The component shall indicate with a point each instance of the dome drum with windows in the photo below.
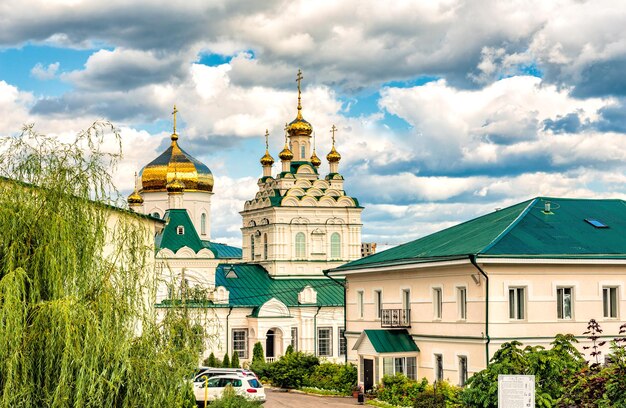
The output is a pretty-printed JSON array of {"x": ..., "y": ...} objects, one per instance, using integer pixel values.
[{"x": 176, "y": 164}]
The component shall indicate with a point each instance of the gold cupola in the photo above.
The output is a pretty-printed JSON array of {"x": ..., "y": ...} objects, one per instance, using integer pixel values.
[
  {"x": 333, "y": 156},
  {"x": 286, "y": 154},
  {"x": 299, "y": 126},
  {"x": 176, "y": 164},
  {"x": 175, "y": 186},
  {"x": 135, "y": 198},
  {"x": 315, "y": 161},
  {"x": 267, "y": 159}
]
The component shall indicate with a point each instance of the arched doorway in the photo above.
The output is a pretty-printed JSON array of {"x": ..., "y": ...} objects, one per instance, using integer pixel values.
[{"x": 273, "y": 344}]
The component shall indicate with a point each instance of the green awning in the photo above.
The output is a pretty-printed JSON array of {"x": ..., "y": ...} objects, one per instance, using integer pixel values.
[{"x": 389, "y": 341}]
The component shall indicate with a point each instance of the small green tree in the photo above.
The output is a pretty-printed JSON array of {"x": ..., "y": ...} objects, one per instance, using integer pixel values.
[
  {"x": 234, "y": 362},
  {"x": 210, "y": 361},
  {"x": 258, "y": 364},
  {"x": 226, "y": 361}
]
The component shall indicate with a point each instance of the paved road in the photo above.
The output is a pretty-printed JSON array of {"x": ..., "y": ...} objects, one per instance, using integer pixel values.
[{"x": 278, "y": 399}]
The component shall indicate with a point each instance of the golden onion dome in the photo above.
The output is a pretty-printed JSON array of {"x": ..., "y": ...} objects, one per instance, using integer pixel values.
[
  {"x": 286, "y": 154},
  {"x": 175, "y": 186},
  {"x": 299, "y": 126},
  {"x": 315, "y": 160},
  {"x": 333, "y": 156},
  {"x": 267, "y": 159},
  {"x": 175, "y": 163},
  {"x": 135, "y": 198}
]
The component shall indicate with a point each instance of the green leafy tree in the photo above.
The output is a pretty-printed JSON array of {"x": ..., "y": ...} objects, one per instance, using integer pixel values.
[
  {"x": 292, "y": 370},
  {"x": 331, "y": 376},
  {"x": 211, "y": 361},
  {"x": 226, "y": 361},
  {"x": 234, "y": 362},
  {"x": 258, "y": 364},
  {"x": 77, "y": 325}
]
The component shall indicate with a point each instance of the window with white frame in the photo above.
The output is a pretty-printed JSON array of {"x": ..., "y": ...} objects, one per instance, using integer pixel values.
[
  {"x": 359, "y": 303},
  {"x": 180, "y": 230},
  {"x": 517, "y": 299},
  {"x": 342, "y": 341},
  {"x": 462, "y": 370},
  {"x": 438, "y": 367},
  {"x": 325, "y": 341},
  {"x": 564, "y": 303},
  {"x": 300, "y": 245},
  {"x": 609, "y": 302},
  {"x": 240, "y": 342},
  {"x": 406, "y": 299},
  {"x": 302, "y": 152},
  {"x": 335, "y": 246},
  {"x": 378, "y": 298},
  {"x": 437, "y": 303},
  {"x": 400, "y": 365},
  {"x": 294, "y": 338},
  {"x": 203, "y": 224},
  {"x": 462, "y": 302}
]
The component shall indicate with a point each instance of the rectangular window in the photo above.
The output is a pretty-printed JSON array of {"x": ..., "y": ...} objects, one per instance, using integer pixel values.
[
  {"x": 406, "y": 299},
  {"x": 564, "y": 303},
  {"x": 462, "y": 301},
  {"x": 359, "y": 301},
  {"x": 462, "y": 370},
  {"x": 437, "y": 303},
  {"x": 388, "y": 366},
  {"x": 438, "y": 367},
  {"x": 342, "y": 341},
  {"x": 411, "y": 368},
  {"x": 609, "y": 302},
  {"x": 516, "y": 303},
  {"x": 399, "y": 365},
  {"x": 325, "y": 341},
  {"x": 294, "y": 338},
  {"x": 240, "y": 342},
  {"x": 378, "y": 295}
]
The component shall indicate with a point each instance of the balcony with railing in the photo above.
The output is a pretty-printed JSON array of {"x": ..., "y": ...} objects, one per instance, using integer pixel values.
[{"x": 395, "y": 318}]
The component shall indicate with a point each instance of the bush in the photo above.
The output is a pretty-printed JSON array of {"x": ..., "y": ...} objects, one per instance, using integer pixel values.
[
  {"x": 226, "y": 361},
  {"x": 234, "y": 362},
  {"x": 330, "y": 376},
  {"x": 399, "y": 390},
  {"x": 258, "y": 364},
  {"x": 231, "y": 400},
  {"x": 211, "y": 361},
  {"x": 291, "y": 370}
]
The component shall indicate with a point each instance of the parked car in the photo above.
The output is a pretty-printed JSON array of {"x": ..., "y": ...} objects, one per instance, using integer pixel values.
[
  {"x": 215, "y": 371},
  {"x": 213, "y": 388}
]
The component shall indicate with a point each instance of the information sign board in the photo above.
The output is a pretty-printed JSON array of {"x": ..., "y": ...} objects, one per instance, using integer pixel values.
[{"x": 516, "y": 391}]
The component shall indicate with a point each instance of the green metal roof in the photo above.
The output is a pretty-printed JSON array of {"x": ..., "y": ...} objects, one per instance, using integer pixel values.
[
  {"x": 523, "y": 230},
  {"x": 253, "y": 286},
  {"x": 170, "y": 238},
  {"x": 391, "y": 341}
]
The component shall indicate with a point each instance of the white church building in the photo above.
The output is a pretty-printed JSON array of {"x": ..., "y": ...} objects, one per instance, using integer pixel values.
[{"x": 273, "y": 290}]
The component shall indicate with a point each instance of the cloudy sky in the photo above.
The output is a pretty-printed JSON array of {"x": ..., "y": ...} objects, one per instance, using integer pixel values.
[{"x": 446, "y": 109}]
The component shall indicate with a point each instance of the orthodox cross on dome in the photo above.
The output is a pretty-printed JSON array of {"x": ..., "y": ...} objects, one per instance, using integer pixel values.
[
  {"x": 333, "y": 130},
  {"x": 174, "y": 135},
  {"x": 267, "y": 136},
  {"x": 299, "y": 79}
]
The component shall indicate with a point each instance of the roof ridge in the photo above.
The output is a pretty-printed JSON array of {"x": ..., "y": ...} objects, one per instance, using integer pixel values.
[{"x": 511, "y": 225}]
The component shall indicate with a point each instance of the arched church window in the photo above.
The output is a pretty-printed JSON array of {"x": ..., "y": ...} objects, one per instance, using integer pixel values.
[
  {"x": 335, "y": 246},
  {"x": 203, "y": 224},
  {"x": 302, "y": 152},
  {"x": 300, "y": 245},
  {"x": 252, "y": 247},
  {"x": 156, "y": 215},
  {"x": 265, "y": 246}
]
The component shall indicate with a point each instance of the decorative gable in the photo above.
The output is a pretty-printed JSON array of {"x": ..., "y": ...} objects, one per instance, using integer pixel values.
[
  {"x": 274, "y": 308},
  {"x": 308, "y": 295}
]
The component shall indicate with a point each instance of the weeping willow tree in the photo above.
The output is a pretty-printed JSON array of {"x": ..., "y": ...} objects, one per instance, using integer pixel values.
[{"x": 77, "y": 326}]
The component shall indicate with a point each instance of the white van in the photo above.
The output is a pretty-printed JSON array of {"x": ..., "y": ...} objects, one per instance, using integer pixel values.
[{"x": 209, "y": 372}]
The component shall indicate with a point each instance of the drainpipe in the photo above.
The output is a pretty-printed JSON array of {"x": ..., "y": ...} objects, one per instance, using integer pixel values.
[
  {"x": 315, "y": 330},
  {"x": 230, "y": 310},
  {"x": 473, "y": 261},
  {"x": 345, "y": 317}
]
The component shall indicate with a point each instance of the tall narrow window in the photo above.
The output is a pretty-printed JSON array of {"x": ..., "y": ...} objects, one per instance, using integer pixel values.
[
  {"x": 264, "y": 246},
  {"x": 437, "y": 303},
  {"x": 360, "y": 305},
  {"x": 342, "y": 341},
  {"x": 564, "y": 303},
  {"x": 335, "y": 246},
  {"x": 411, "y": 368},
  {"x": 406, "y": 299},
  {"x": 609, "y": 302},
  {"x": 203, "y": 224},
  {"x": 325, "y": 341},
  {"x": 438, "y": 367},
  {"x": 302, "y": 153},
  {"x": 378, "y": 296},
  {"x": 252, "y": 247},
  {"x": 240, "y": 342},
  {"x": 294, "y": 338},
  {"x": 462, "y": 370},
  {"x": 462, "y": 302},
  {"x": 300, "y": 245},
  {"x": 516, "y": 303}
]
